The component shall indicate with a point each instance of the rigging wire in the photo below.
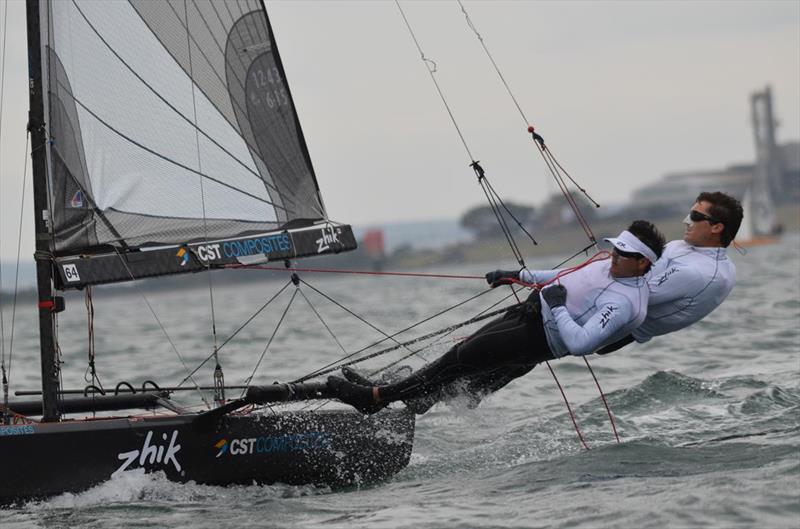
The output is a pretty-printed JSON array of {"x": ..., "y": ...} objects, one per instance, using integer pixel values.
[
  {"x": 496, "y": 68},
  {"x": 482, "y": 315},
  {"x": 552, "y": 166},
  {"x": 333, "y": 366},
  {"x": 352, "y": 313},
  {"x": 249, "y": 379},
  {"x": 508, "y": 211},
  {"x": 556, "y": 170},
  {"x": 584, "y": 250},
  {"x": 498, "y": 215},
  {"x": 218, "y": 368},
  {"x": 357, "y": 272},
  {"x": 59, "y": 358},
  {"x": 2, "y": 319},
  {"x": 492, "y": 197},
  {"x": 161, "y": 325},
  {"x": 338, "y": 364},
  {"x": 431, "y": 66},
  {"x": 229, "y": 338},
  {"x": 399, "y": 345},
  {"x": 324, "y": 323},
  {"x": 550, "y": 161},
  {"x": 333, "y": 336},
  {"x": 442, "y": 334},
  {"x": 19, "y": 248}
]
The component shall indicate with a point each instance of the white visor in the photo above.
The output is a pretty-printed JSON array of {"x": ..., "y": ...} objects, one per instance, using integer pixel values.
[{"x": 627, "y": 242}]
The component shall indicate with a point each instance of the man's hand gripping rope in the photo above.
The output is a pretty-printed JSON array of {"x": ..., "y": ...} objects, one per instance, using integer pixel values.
[{"x": 497, "y": 278}]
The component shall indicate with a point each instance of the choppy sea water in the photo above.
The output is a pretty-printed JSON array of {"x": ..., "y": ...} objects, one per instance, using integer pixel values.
[{"x": 709, "y": 418}]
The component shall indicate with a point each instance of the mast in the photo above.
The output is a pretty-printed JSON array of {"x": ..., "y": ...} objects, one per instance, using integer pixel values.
[{"x": 44, "y": 280}]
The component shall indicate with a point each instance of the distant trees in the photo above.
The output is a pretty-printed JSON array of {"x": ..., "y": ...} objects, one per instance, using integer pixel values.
[
  {"x": 556, "y": 211},
  {"x": 482, "y": 223}
]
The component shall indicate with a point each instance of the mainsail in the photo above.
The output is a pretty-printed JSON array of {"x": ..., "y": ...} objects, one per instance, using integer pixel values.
[{"x": 171, "y": 124}]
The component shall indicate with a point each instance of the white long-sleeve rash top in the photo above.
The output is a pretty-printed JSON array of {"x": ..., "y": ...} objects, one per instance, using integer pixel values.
[
  {"x": 600, "y": 309},
  {"x": 686, "y": 284}
]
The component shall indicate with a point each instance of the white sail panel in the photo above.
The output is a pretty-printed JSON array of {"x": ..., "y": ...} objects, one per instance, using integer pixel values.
[{"x": 137, "y": 127}]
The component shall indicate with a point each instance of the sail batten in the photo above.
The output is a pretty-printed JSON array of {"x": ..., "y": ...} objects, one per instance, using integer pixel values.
[{"x": 147, "y": 149}]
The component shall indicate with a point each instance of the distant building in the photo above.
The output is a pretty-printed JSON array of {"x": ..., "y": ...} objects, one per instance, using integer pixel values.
[
  {"x": 678, "y": 189},
  {"x": 788, "y": 188},
  {"x": 773, "y": 178}
]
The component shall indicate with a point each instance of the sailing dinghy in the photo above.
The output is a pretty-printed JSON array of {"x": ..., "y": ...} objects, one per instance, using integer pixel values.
[{"x": 165, "y": 141}]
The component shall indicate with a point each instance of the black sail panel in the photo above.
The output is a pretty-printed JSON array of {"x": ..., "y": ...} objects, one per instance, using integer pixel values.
[
  {"x": 170, "y": 123},
  {"x": 265, "y": 111},
  {"x": 72, "y": 214}
]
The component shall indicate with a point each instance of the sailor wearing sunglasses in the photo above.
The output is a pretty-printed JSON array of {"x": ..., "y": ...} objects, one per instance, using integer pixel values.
[
  {"x": 591, "y": 307},
  {"x": 695, "y": 275},
  {"x": 606, "y": 301}
]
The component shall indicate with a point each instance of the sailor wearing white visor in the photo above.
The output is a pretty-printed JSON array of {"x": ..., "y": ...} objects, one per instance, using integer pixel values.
[
  {"x": 593, "y": 306},
  {"x": 602, "y": 302}
]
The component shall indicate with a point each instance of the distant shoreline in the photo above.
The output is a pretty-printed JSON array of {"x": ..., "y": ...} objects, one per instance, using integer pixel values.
[{"x": 556, "y": 243}]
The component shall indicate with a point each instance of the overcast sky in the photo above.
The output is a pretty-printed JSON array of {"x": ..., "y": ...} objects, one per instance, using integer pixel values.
[{"x": 623, "y": 92}]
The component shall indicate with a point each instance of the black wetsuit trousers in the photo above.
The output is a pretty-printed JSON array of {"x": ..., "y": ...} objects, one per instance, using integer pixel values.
[{"x": 500, "y": 351}]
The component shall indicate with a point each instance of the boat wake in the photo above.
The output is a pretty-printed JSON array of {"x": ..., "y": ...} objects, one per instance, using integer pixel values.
[{"x": 153, "y": 489}]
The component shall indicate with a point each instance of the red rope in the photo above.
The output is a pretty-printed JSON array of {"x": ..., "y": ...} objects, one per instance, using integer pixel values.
[
  {"x": 599, "y": 256},
  {"x": 605, "y": 402},
  {"x": 360, "y": 272},
  {"x": 596, "y": 257},
  {"x": 569, "y": 408},
  {"x": 538, "y": 286}
]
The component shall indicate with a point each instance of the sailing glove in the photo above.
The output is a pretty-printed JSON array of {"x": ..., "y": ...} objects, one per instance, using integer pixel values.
[
  {"x": 555, "y": 295},
  {"x": 501, "y": 277}
]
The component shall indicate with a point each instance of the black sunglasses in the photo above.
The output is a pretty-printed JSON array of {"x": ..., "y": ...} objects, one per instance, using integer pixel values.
[
  {"x": 628, "y": 255},
  {"x": 699, "y": 216}
]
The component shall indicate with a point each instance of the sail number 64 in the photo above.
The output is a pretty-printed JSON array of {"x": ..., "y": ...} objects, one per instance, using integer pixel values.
[{"x": 71, "y": 273}]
